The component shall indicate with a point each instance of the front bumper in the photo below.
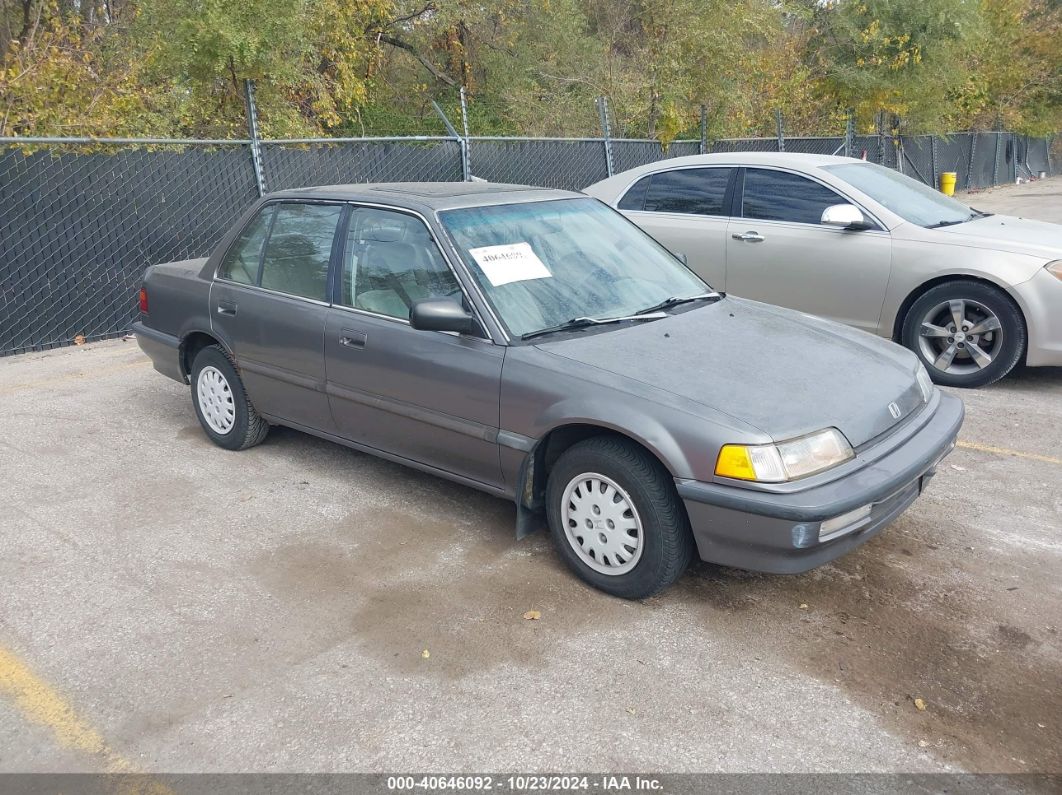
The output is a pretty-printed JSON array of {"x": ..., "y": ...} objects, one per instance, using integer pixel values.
[
  {"x": 1040, "y": 299},
  {"x": 779, "y": 532}
]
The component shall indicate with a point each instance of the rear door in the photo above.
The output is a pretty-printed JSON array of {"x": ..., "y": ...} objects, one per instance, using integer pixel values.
[
  {"x": 779, "y": 252},
  {"x": 427, "y": 396},
  {"x": 270, "y": 302},
  {"x": 684, "y": 208}
]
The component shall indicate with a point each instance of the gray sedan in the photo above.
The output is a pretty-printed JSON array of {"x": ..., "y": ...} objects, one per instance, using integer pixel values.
[
  {"x": 971, "y": 293},
  {"x": 536, "y": 345}
]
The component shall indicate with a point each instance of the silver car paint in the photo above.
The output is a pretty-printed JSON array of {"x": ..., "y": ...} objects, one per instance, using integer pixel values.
[{"x": 823, "y": 271}]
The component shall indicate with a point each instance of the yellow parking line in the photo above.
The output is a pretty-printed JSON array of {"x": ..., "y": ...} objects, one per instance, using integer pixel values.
[
  {"x": 40, "y": 703},
  {"x": 81, "y": 375},
  {"x": 986, "y": 448}
]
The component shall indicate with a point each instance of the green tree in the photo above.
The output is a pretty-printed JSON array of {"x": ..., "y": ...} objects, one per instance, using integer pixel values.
[{"x": 906, "y": 57}]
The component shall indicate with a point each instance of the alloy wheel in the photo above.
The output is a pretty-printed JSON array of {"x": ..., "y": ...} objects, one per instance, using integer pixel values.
[{"x": 960, "y": 336}]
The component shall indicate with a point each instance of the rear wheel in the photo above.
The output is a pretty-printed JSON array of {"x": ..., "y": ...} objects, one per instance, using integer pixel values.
[
  {"x": 967, "y": 334},
  {"x": 616, "y": 519},
  {"x": 221, "y": 404}
]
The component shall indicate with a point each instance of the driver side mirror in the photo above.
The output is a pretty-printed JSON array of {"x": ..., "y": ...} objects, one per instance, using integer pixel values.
[
  {"x": 442, "y": 314},
  {"x": 845, "y": 216}
]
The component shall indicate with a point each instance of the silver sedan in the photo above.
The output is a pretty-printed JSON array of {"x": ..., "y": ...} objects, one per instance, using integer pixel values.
[{"x": 971, "y": 293}]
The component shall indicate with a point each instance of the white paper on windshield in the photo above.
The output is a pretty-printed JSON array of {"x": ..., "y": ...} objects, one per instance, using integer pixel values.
[{"x": 513, "y": 262}]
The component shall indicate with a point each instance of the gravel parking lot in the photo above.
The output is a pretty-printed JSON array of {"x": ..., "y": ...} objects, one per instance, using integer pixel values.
[{"x": 170, "y": 606}]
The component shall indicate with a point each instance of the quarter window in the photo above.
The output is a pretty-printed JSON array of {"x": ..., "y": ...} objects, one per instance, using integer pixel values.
[
  {"x": 390, "y": 261},
  {"x": 241, "y": 262},
  {"x": 695, "y": 191},
  {"x": 634, "y": 199},
  {"x": 780, "y": 196},
  {"x": 299, "y": 248}
]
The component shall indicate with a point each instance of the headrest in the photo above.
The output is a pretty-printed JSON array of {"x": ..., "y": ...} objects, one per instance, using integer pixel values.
[{"x": 291, "y": 245}]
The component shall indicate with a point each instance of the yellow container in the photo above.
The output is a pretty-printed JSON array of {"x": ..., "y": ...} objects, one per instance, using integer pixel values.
[{"x": 947, "y": 183}]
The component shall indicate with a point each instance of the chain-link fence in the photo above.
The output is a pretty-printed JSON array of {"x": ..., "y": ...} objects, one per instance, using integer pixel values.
[{"x": 81, "y": 219}]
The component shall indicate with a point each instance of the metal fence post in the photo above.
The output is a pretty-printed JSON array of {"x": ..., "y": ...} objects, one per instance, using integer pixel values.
[
  {"x": 252, "y": 129},
  {"x": 704, "y": 129},
  {"x": 969, "y": 164},
  {"x": 781, "y": 129},
  {"x": 995, "y": 160},
  {"x": 933, "y": 139},
  {"x": 466, "y": 154},
  {"x": 462, "y": 143},
  {"x": 606, "y": 131},
  {"x": 849, "y": 133}
]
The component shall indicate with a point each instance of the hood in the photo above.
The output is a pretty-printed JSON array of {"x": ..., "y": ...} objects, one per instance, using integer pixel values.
[
  {"x": 781, "y": 371},
  {"x": 1005, "y": 233}
]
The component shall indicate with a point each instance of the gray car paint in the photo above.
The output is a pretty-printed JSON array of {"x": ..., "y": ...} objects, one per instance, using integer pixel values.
[{"x": 482, "y": 410}]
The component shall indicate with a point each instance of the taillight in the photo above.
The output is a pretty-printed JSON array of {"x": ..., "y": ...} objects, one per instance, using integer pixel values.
[{"x": 143, "y": 301}]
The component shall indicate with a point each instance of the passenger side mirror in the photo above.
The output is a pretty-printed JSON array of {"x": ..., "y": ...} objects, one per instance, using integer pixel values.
[
  {"x": 845, "y": 216},
  {"x": 442, "y": 314}
]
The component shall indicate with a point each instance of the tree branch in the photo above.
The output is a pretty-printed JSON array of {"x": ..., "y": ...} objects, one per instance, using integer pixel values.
[{"x": 404, "y": 45}]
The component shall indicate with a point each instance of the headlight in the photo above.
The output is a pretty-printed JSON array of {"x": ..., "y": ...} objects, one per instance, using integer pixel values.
[
  {"x": 1054, "y": 268},
  {"x": 924, "y": 382},
  {"x": 775, "y": 463}
]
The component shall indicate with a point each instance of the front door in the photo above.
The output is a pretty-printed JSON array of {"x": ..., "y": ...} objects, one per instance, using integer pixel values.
[
  {"x": 270, "y": 303},
  {"x": 427, "y": 396},
  {"x": 779, "y": 252}
]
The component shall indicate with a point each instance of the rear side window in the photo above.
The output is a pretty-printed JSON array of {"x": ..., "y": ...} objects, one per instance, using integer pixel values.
[
  {"x": 780, "y": 196},
  {"x": 635, "y": 197},
  {"x": 695, "y": 191},
  {"x": 299, "y": 248},
  {"x": 241, "y": 262}
]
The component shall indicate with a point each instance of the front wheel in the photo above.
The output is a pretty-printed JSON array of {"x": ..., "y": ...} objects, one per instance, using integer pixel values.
[
  {"x": 616, "y": 519},
  {"x": 967, "y": 334}
]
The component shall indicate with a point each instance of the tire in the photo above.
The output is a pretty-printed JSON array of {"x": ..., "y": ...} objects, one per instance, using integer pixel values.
[
  {"x": 929, "y": 329},
  {"x": 225, "y": 411},
  {"x": 618, "y": 468}
]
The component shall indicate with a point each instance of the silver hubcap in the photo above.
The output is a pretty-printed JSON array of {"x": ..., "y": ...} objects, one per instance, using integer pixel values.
[
  {"x": 960, "y": 336},
  {"x": 601, "y": 524},
  {"x": 215, "y": 400}
]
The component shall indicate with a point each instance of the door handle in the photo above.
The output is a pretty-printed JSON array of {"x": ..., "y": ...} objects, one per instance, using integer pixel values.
[
  {"x": 749, "y": 237},
  {"x": 352, "y": 339},
  {"x": 227, "y": 308}
]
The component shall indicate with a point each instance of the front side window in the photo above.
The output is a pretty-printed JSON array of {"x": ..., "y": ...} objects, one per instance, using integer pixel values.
[
  {"x": 908, "y": 198},
  {"x": 390, "y": 261},
  {"x": 694, "y": 191},
  {"x": 544, "y": 263},
  {"x": 242, "y": 260},
  {"x": 780, "y": 196},
  {"x": 299, "y": 248}
]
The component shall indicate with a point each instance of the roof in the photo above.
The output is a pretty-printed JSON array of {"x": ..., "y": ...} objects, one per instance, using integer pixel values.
[
  {"x": 431, "y": 195},
  {"x": 798, "y": 159}
]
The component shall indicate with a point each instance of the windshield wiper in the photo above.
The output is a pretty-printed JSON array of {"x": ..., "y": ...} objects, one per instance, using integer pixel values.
[
  {"x": 584, "y": 322},
  {"x": 675, "y": 301},
  {"x": 939, "y": 224}
]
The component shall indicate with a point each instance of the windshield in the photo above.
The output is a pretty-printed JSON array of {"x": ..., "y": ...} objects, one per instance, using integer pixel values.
[
  {"x": 542, "y": 264},
  {"x": 908, "y": 198}
]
